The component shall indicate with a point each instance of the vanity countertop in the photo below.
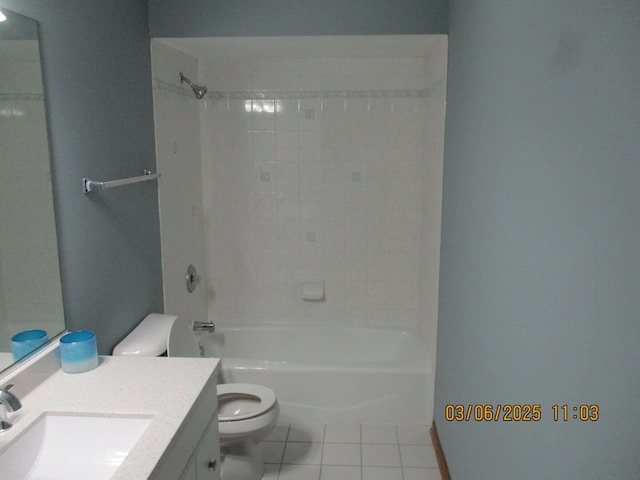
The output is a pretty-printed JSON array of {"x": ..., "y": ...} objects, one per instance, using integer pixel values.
[
  {"x": 160, "y": 387},
  {"x": 6, "y": 359}
]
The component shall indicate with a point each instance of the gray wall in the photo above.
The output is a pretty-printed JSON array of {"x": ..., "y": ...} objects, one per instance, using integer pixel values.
[
  {"x": 540, "y": 266},
  {"x": 219, "y": 18},
  {"x": 97, "y": 72}
]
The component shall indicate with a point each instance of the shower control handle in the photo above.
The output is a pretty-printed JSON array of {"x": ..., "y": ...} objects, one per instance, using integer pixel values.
[{"x": 192, "y": 278}]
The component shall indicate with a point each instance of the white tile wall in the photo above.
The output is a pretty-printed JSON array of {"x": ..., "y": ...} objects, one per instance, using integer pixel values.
[
  {"x": 436, "y": 66},
  {"x": 332, "y": 187},
  {"x": 178, "y": 151}
]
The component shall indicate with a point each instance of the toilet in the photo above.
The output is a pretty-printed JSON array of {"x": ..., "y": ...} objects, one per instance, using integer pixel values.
[
  {"x": 246, "y": 415},
  {"x": 246, "y": 412}
]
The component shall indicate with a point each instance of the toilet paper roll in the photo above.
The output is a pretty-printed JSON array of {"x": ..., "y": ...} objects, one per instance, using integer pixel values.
[{"x": 313, "y": 290}]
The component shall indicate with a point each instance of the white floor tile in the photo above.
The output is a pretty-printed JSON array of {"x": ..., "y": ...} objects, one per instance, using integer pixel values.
[
  {"x": 299, "y": 472},
  {"x": 414, "y": 435},
  {"x": 272, "y": 452},
  {"x": 301, "y": 453},
  {"x": 341, "y": 454},
  {"x": 381, "y": 473},
  {"x": 271, "y": 472},
  {"x": 380, "y": 455},
  {"x": 379, "y": 434},
  {"x": 342, "y": 434},
  {"x": 421, "y": 474},
  {"x": 340, "y": 473},
  {"x": 418, "y": 456},
  {"x": 306, "y": 432},
  {"x": 349, "y": 452},
  {"x": 278, "y": 434}
]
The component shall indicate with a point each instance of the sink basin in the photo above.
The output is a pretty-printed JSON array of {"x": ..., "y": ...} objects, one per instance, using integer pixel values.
[{"x": 70, "y": 447}]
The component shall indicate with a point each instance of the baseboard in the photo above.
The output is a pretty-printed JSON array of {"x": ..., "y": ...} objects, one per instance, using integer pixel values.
[{"x": 442, "y": 462}]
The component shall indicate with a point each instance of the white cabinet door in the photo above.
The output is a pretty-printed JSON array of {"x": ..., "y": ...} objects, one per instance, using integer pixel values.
[
  {"x": 207, "y": 457},
  {"x": 190, "y": 472}
]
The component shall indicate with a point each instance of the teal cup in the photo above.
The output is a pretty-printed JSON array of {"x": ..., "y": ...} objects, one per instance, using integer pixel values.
[
  {"x": 78, "y": 352},
  {"x": 23, "y": 343}
]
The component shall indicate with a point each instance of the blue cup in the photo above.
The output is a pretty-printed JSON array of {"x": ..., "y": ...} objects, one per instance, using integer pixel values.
[
  {"x": 23, "y": 343},
  {"x": 78, "y": 352}
]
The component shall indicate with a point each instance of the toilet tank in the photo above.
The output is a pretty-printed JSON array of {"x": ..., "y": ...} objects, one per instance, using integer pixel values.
[{"x": 149, "y": 338}]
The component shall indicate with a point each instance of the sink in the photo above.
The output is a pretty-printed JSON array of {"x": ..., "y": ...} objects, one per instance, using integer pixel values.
[{"x": 70, "y": 447}]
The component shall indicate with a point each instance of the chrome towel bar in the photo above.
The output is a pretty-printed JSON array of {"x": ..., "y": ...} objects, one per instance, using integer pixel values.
[{"x": 90, "y": 185}]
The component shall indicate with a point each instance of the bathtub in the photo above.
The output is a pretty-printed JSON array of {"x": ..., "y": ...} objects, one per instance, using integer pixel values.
[{"x": 330, "y": 374}]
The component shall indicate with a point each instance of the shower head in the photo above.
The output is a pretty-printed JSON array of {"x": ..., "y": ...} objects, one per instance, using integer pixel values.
[{"x": 198, "y": 90}]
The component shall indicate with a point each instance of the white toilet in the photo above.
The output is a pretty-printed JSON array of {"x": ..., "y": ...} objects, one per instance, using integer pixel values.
[{"x": 246, "y": 412}]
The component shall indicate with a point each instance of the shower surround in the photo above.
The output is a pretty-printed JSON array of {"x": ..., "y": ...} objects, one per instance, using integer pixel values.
[
  {"x": 322, "y": 168},
  {"x": 321, "y": 160}
]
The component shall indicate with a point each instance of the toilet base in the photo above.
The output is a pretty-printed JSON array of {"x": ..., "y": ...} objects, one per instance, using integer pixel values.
[{"x": 241, "y": 461}]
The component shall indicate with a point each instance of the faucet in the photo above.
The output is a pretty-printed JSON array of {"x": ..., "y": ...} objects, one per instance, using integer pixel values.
[
  {"x": 8, "y": 402},
  {"x": 199, "y": 326}
]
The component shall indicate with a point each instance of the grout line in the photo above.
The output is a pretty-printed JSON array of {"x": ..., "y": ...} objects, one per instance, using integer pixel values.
[
  {"x": 286, "y": 441},
  {"x": 324, "y": 435},
  {"x": 400, "y": 453},
  {"x": 361, "y": 454}
]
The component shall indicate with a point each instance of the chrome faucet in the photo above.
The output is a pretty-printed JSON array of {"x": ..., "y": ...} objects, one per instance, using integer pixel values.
[
  {"x": 199, "y": 326},
  {"x": 8, "y": 403}
]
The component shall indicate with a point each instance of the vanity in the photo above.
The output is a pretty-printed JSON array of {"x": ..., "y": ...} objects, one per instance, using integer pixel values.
[{"x": 163, "y": 409}]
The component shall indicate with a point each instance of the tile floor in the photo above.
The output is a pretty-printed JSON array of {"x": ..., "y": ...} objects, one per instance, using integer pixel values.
[{"x": 349, "y": 452}]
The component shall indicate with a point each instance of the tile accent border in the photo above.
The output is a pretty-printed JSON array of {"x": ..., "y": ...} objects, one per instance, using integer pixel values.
[
  {"x": 313, "y": 94},
  {"x": 442, "y": 462},
  {"x": 21, "y": 97},
  {"x": 299, "y": 94},
  {"x": 169, "y": 87}
]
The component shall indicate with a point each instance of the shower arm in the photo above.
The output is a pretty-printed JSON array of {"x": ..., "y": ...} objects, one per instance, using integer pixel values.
[
  {"x": 186, "y": 80},
  {"x": 198, "y": 90}
]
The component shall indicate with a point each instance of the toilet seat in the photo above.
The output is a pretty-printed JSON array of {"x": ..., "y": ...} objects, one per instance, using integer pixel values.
[{"x": 252, "y": 401}]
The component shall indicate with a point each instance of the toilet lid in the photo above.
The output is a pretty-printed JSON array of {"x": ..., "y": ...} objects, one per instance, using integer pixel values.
[
  {"x": 182, "y": 342},
  {"x": 240, "y": 401}
]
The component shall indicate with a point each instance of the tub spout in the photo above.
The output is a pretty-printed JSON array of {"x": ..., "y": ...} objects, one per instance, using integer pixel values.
[{"x": 203, "y": 326}]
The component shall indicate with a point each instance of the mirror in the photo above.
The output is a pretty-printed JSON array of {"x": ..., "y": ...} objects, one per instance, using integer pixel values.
[{"x": 30, "y": 287}]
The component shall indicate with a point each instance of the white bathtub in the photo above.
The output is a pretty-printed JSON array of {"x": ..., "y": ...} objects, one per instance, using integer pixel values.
[{"x": 329, "y": 374}]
